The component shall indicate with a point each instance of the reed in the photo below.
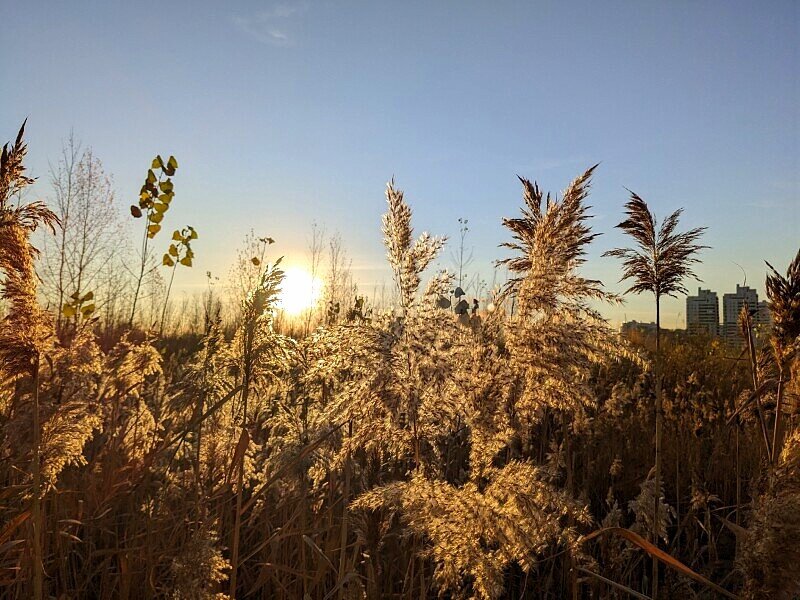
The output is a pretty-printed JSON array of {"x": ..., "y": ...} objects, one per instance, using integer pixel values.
[
  {"x": 659, "y": 263},
  {"x": 401, "y": 453}
]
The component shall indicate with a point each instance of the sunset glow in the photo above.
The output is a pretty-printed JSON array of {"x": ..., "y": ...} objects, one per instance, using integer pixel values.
[
  {"x": 299, "y": 290},
  {"x": 356, "y": 299}
]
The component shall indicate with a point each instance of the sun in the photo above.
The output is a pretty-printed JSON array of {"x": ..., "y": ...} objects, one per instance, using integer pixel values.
[{"x": 299, "y": 291}]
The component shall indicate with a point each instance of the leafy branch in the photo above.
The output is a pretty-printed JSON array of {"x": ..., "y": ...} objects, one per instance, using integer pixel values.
[
  {"x": 154, "y": 200},
  {"x": 181, "y": 253}
]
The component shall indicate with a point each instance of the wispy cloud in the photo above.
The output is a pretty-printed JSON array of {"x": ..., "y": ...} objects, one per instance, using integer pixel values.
[{"x": 272, "y": 26}]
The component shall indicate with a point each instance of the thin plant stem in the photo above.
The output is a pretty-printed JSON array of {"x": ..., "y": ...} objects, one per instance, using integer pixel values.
[
  {"x": 659, "y": 425},
  {"x": 166, "y": 298},
  {"x": 38, "y": 567},
  {"x": 141, "y": 274},
  {"x": 777, "y": 432}
]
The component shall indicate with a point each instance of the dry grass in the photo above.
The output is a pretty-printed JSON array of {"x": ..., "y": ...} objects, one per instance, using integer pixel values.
[{"x": 391, "y": 455}]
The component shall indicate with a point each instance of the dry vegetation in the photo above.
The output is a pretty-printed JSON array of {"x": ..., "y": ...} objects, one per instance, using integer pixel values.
[{"x": 374, "y": 454}]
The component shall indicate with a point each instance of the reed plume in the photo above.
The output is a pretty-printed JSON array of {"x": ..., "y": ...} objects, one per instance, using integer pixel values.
[
  {"x": 768, "y": 553},
  {"x": 784, "y": 303},
  {"x": 388, "y": 453},
  {"x": 25, "y": 330},
  {"x": 658, "y": 264}
]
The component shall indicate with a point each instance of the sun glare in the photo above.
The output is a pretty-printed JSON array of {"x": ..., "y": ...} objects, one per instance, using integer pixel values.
[{"x": 299, "y": 290}]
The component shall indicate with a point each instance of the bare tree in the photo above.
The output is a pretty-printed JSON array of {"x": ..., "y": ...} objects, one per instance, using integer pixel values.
[
  {"x": 212, "y": 305},
  {"x": 339, "y": 286},
  {"x": 86, "y": 252},
  {"x": 246, "y": 271},
  {"x": 315, "y": 251}
]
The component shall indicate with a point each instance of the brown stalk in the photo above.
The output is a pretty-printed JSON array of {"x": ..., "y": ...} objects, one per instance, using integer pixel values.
[
  {"x": 659, "y": 555},
  {"x": 658, "y": 263}
]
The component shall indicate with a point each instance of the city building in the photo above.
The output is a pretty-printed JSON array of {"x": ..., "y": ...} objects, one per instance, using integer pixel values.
[
  {"x": 731, "y": 307},
  {"x": 632, "y": 326},
  {"x": 763, "y": 317},
  {"x": 702, "y": 313}
]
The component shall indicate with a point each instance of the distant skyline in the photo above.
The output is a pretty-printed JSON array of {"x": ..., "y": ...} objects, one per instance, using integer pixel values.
[{"x": 281, "y": 114}]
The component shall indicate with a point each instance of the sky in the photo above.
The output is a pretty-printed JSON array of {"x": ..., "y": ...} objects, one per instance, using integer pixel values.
[{"x": 285, "y": 114}]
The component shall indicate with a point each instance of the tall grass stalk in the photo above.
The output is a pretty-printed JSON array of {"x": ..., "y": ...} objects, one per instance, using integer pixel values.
[
  {"x": 403, "y": 455},
  {"x": 25, "y": 331},
  {"x": 658, "y": 264},
  {"x": 38, "y": 523},
  {"x": 784, "y": 302}
]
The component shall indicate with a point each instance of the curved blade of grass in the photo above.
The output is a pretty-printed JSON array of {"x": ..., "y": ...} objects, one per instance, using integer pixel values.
[
  {"x": 614, "y": 584},
  {"x": 662, "y": 556},
  {"x": 238, "y": 455},
  {"x": 12, "y": 525}
]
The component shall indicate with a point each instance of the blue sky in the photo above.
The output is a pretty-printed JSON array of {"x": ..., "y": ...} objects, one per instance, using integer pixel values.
[{"x": 285, "y": 113}]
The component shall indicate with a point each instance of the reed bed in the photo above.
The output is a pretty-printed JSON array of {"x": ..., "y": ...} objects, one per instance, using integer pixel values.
[{"x": 395, "y": 454}]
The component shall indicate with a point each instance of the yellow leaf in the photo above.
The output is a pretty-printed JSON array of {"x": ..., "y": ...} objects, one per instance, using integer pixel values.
[
  {"x": 68, "y": 311},
  {"x": 156, "y": 217},
  {"x": 167, "y": 261},
  {"x": 152, "y": 230},
  {"x": 176, "y": 235},
  {"x": 172, "y": 163},
  {"x": 186, "y": 261},
  {"x": 87, "y": 310},
  {"x": 173, "y": 250}
]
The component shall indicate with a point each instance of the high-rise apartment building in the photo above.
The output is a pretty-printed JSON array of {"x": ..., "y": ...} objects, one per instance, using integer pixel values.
[
  {"x": 731, "y": 307},
  {"x": 763, "y": 317},
  {"x": 702, "y": 312}
]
